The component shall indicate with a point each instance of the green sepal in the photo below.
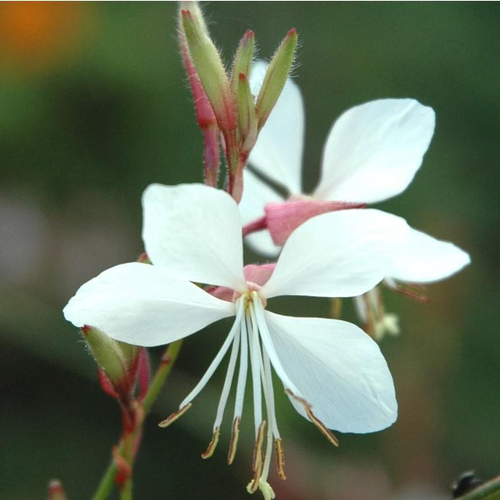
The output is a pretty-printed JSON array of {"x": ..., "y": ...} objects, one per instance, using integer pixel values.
[
  {"x": 108, "y": 354},
  {"x": 247, "y": 117},
  {"x": 242, "y": 60},
  {"x": 276, "y": 76}
]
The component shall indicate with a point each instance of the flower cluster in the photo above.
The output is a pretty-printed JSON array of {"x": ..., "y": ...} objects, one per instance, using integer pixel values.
[{"x": 327, "y": 244}]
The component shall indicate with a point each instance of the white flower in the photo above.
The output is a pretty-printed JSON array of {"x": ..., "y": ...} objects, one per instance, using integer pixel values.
[
  {"x": 371, "y": 154},
  {"x": 333, "y": 373}
]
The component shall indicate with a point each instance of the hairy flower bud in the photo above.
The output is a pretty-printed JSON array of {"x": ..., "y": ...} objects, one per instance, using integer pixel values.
[
  {"x": 108, "y": 354},
  {"x": 210, "y": 69},
  {"x": 276, "y": 76},
  {"x": 242, "y": 60},
  {"x": 247, "y": 117}
]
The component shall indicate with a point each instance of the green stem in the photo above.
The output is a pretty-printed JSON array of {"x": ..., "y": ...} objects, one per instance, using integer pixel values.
[
  {"x": 128, "y": 455},
  {"x": 167, "y": 361},
  {"x": 487, "y": 491}
]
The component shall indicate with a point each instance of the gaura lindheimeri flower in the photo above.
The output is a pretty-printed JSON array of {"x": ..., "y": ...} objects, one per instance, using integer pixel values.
[
  {"x": 372, "y": 153},
  {"x": 333, "y": 373}
]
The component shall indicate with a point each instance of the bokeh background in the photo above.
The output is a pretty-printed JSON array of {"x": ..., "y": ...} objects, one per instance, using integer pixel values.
[{"x": 94, "y": 106}]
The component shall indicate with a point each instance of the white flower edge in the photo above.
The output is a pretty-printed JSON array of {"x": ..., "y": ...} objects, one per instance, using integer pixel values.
[{"x": 422, "y": 259}]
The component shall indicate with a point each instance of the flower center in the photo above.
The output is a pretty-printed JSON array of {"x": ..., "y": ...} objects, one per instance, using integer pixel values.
[{"x": 248, "y": 295}]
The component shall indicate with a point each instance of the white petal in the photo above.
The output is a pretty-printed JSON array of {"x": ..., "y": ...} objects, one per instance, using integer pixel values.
[
  {"x": 339, "y": 370},
  {"x": 424, "y": 259},
  {"x": 374, "y": 150},
  {"x": 256, "y": 195},
  {"x": 339, "y": 254},
  {"x": 194, "y": 231},
  {"x": 144, "y": 305},
  {"x": 278, "y": 151}
]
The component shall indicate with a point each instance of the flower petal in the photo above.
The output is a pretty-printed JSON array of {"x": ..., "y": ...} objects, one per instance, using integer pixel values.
[
  {"x": 256, "y": 195},
  {"x": 194, "y": 231},
  {"x": 144, "y": 305},
  {"x": 374, "y": 150},
  {"x": 423, "y": 259},
  {"x": 278, "y": 151},
  {"x": 339, "y": 254},
  {"x": 339, "y": 370}
]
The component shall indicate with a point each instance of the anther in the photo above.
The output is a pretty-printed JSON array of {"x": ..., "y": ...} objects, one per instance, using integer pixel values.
[
  {"x": 233, "y": 445},
  {"x": 212, "y": 445},
  {"x": 257, "y": 452},
  {"x": 172, "y": 418},
  {"x": 280, "y": 458},
  {"x": 315, "y": 420},
  {"x": 258, "y": 459}
]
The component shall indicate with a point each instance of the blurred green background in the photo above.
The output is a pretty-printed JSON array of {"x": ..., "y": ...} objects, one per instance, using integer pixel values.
[{"x": 94, "y": 106}]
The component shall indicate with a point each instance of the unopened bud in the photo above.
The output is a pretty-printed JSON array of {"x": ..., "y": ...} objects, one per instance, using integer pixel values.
[
  {"x": 107, "y": 353},
  {"x": 276, "y": 76},
  {"x": 242, "y": 60},
  {"x": 130, "y": 353},
  {"x": 247, "y": 118},
  {"x": 209, "y": 67}
]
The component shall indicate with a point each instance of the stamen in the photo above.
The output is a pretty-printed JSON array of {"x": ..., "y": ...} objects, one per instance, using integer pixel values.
[
  {"x": 280, "y": 458},
  {"x": 242, "y": 375},
  {"x": 315, "y": 420},
  {"x": 258, "y": 459},
  {"x": 271, "y": 413},
  {"x": 174, "y": 416},
  {"x": 254, "y": 359},
  {"x": 269, "y": 385},
  {"x": 257, "y": 452},
  {"x": 233, "y": 444},
  {"x": 212, "y": 445},
  {"x": 268, "y": 344},
  {"x": 218, "y": 358},
  {"x": 240, "y": 394},
  {"x": 228, "y": 381}
]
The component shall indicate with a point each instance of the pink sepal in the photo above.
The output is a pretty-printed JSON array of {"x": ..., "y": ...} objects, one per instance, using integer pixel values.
[
  {"x": 258, "y": 273},
  {"x": 284, "y": 217},
  {"x": 106, "y": 384}
]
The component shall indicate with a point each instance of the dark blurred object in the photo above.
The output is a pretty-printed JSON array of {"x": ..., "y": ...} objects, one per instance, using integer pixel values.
[{"x": 466, "y": 482}]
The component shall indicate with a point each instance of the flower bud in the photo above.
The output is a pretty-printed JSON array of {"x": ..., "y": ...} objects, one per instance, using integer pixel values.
[
  {"x": 242, "y": 60},
  {"x": 283, "y": 218},
  {"x": 247, "y": 118},
  {"x": 209, "y": 67},
  {"x": 108, "y": 355},
  {"x": 276, "y": 76}
]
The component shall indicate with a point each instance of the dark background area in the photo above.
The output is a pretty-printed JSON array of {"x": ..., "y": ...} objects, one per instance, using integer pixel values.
[{"x": 94, "y": 106}]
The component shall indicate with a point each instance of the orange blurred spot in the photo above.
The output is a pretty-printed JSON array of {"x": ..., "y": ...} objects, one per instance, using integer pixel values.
[{"x": 38, "y": 34}]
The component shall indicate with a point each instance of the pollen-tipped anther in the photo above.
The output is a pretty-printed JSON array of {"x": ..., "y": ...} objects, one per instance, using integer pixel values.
[
  {"x": 174, "y": 416},
  {"x": 257, "y": 452},
  {"x": 258, "y": 459},
  {"x": 280, "y": 458},
  {"x": 315, "y": 420},
  {"x": 212, "y": 445},
  {"x": 233, "y": 445}
]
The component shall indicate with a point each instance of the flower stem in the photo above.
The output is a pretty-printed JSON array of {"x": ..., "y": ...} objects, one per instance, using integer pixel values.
[
  {"x": 128, "y": 455},
  {"x": 167, "y": 361},
  {"x": 487, "y": 491}
]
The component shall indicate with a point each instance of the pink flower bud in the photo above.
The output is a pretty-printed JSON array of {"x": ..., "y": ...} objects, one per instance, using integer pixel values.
[{"x": 284, "y": 218}]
